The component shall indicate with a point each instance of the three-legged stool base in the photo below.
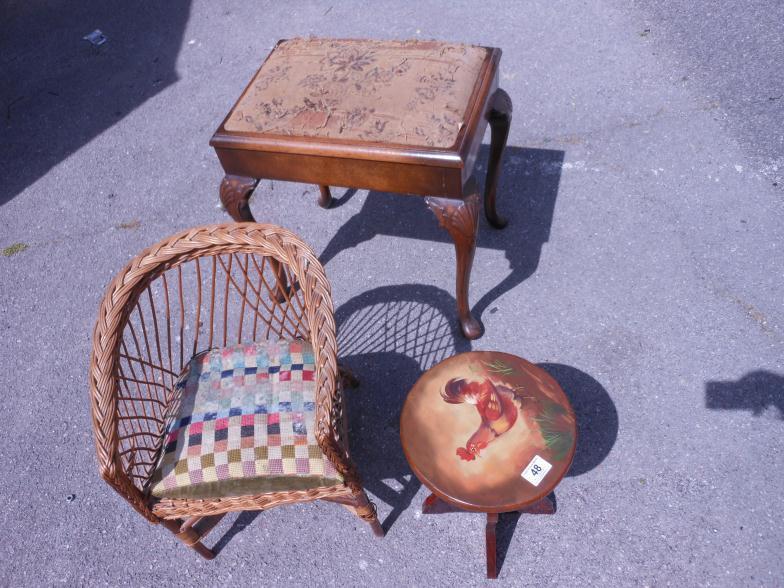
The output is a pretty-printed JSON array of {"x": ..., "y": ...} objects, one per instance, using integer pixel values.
[{"x": 434, "y": 505}]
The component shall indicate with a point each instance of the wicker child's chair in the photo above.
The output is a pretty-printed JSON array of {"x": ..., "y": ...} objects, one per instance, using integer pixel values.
[{"x": 215, "y": 385}]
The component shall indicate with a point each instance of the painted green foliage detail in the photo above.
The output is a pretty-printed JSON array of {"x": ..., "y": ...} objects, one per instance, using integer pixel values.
[
  {"x": 554, "y": 427},
  {"x": 499, "y": 367},
  {"x": 552, "y": 420}
]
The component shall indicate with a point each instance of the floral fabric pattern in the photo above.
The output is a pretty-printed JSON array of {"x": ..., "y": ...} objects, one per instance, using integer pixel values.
[{"x": 403, "y": 92}]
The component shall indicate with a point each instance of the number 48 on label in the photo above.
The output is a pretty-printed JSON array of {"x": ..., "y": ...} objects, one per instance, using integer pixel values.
[{"x": 535, "y": 471}]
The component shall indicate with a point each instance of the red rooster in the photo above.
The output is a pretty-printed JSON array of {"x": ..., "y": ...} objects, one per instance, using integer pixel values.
[{"x": 496, "y": 406}]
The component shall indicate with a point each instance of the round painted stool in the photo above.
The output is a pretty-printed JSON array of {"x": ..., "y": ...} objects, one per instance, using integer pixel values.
[{"x": 488, "y": 432}]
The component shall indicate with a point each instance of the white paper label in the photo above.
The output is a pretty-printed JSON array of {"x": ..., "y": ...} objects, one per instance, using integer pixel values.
[{"x": 535, "y": 471}]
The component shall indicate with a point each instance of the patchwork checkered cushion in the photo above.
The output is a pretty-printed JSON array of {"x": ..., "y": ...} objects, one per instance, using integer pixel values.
[{"x": 245, "y": 425}]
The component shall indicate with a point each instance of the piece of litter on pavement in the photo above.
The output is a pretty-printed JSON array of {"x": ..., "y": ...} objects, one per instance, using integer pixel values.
[
  {"x": 96, "y": 38},
  {"x": 14, "y": 249},
  {"x": 70, "y": 498}
]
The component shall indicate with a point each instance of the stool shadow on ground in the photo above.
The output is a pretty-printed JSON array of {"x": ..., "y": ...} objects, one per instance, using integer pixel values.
[
  {"x": 527, "y": 193},
  {"x": 759, "y": 391},
  {"x": 348, "y": 194},
  {"x": 597, "y": 430},
  {"x": 389, "y": 336},
  {"x": 597, "y": 418},
  {"x": 507, "y": 523}
]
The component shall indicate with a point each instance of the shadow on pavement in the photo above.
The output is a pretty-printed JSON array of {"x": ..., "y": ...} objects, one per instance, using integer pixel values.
[
  {"x": 527, "y": 193},
  {"x": 388, "y": 337},
  {"x": 758, "y": 391},
  {"x": 597, "y": 418},
  {"x": 59, "y": 91},
  {"x": 507, "y": 523},
  {"x": 597, "y": 430},
  {"x": 243, "y": 520}
]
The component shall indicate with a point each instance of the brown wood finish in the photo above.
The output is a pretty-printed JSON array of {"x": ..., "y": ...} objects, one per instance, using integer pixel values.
[
  {"x": 226, "y": 142},
  {"x": 325, "y": 197},
  {"x": 490, "y": 547},
  {"x": 435, "y": 505},
  {"x": 500, "y": 116},
  {"x": 434, "y": 172},
  {"x": 536, "y": 391},
  {"x": 545, "y": 507},
  {"x": 460, "y": 219},
  {"x": 530, "y": 422},
  {"x": 382, "y": 176},
  {"x": 235, "y": 193},
  {"x": 477, "y": 123}
]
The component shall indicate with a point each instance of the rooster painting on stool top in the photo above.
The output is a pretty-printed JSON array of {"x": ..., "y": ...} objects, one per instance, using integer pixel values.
[
  {"x": 500, "y": 405},
  {"x": 497, "y": 406},
  {"x": 477, "y": 420}
]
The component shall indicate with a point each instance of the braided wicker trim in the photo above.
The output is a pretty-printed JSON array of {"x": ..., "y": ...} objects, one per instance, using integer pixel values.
[
  {"x": 124, "y": 292},
  {"x": 179, "y": 508}
]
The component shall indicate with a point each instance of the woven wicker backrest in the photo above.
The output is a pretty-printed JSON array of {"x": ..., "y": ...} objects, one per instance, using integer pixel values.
[{"x": 208, "y": 287}]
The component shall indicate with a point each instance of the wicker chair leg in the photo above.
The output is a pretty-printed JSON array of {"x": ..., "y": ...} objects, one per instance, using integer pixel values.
[
  {"x": 366, "y": 510},
  {"x": 347, "y": 377},
  {"x": 203, "y": 550},
  {"x": 190, "y": 537}
]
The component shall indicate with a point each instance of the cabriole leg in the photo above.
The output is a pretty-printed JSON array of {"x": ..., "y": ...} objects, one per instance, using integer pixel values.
[
  {"x": 500, "y": 118},
  {"x": 235, "y": 193},
  {"x": 459, "y": 218}
]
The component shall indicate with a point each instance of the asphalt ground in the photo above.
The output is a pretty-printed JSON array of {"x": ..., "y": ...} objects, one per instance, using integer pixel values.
[{"x": 642, "y": 267}]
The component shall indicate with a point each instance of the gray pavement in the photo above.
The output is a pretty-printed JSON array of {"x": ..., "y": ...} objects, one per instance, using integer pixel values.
[{"x": 642, "y": 267}]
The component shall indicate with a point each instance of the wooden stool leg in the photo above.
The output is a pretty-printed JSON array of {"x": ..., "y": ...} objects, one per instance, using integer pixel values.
[
  {"x": 434, "y": 505},
  {"x": 325, "y": 198},
  {"x": 492, "y": 521},
  {"x": 235, "y": 193},
  {"x": 543, "y": 506},
  {"x": 500, "y": 118},
  {"x": 430, "y": 504},
  {"x": 459, "y": 218}
]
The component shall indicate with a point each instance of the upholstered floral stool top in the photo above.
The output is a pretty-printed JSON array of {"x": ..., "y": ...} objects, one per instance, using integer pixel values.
[
  {"x": 488, "y": 432},
  {"x": 395, "y": 116}
]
